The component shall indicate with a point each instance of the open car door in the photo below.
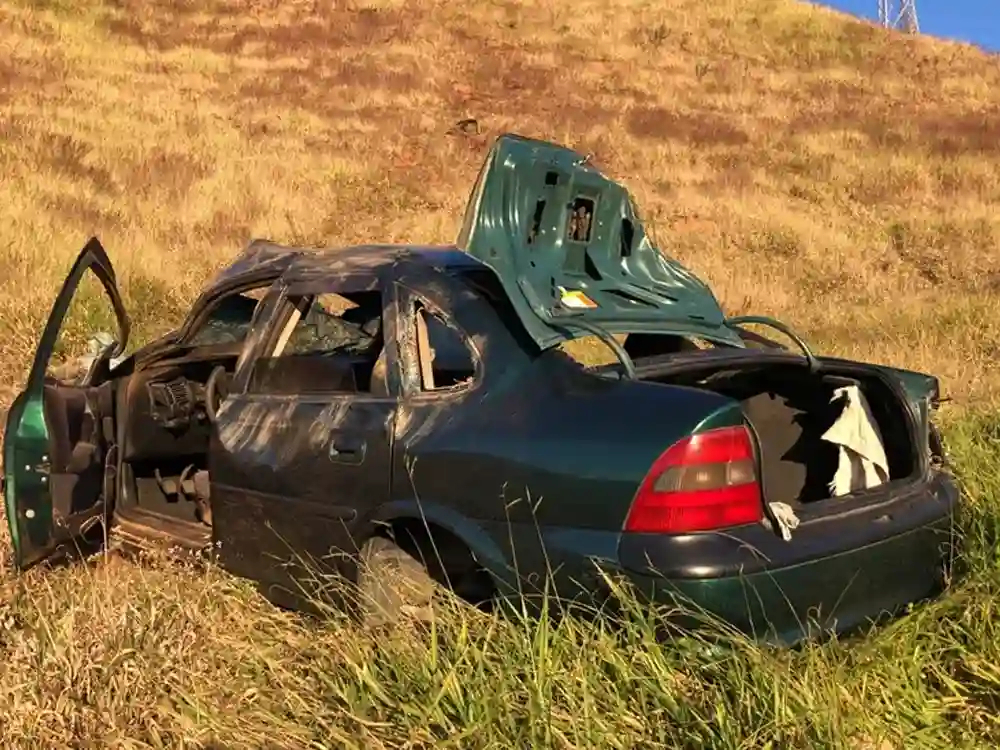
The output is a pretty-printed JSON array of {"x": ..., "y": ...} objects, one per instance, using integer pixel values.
[{"x": 59, "y": 436}]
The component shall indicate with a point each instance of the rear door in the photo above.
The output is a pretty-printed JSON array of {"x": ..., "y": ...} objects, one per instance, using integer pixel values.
[
  {"x": 303, "y": 447},
  {"x": 58, "y": 434}
]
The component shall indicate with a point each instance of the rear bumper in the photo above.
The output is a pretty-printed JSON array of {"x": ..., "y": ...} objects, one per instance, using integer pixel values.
[{"x": 835, "y": 574}]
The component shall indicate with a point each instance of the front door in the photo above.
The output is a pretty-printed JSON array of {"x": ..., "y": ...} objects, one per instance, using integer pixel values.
[
  {"x": 59, "y": 433},
  {"x": 304, "y": 449}
]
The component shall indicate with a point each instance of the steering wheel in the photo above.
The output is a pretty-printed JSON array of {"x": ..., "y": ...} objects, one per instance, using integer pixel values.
[{"x": 216, "y": 391}]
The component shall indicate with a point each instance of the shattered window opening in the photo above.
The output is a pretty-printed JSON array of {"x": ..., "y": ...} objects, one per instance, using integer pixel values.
[
  {"x": 445, "y": 355},
  {"x": 230, "y": 319},
  {"x": 335, "y": 346}
]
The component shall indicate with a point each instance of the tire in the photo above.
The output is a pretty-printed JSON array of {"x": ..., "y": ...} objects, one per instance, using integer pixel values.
[{"x": 394, "y": 586}]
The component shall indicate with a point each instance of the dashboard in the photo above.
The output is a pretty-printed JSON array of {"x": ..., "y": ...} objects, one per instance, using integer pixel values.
[{"x": 165, "y": 411}]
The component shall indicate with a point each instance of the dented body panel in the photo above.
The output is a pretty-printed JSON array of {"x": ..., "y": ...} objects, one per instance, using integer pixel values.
[{"x": 457, "y": 458}]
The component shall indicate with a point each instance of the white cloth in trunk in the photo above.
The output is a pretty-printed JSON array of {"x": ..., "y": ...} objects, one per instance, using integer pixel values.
[{"x": 862, "y": 462}]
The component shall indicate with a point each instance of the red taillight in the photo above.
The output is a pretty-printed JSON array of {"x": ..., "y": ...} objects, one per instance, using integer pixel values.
[{"x": 703, "y": 482}]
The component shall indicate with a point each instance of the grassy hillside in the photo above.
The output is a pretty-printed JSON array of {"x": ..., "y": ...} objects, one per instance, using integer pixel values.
[{"x": 810, "y": 167}]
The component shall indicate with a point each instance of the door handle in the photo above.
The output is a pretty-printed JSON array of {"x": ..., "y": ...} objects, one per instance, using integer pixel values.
[{"x": 346, "y": 450}]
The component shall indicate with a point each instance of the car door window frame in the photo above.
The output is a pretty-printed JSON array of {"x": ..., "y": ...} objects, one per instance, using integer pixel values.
[
  {"x": 92, "y": 258},
  {"x": 410, "y": 361},
  {"x": 281, "y": 321},
  {"x": 268, "y": 309}
]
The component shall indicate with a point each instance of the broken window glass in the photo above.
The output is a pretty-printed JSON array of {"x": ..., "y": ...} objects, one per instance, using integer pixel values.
[
  {"x": 230, "y": 319},
  {"x": 331, "y": 345}
]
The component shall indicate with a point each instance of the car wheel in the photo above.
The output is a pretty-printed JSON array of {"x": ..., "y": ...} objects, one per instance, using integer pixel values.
[{"x": 393, "y": 584}]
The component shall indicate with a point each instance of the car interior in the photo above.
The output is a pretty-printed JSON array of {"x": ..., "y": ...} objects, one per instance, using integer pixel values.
[
  {"x": 330, "y": 343},
  {"x": 165, "y": 433}
]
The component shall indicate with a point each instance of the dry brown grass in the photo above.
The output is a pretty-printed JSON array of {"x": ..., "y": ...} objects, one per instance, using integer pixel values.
[
  {"x": 824, "y": 171},
  {"x": 820, "y": 170}
]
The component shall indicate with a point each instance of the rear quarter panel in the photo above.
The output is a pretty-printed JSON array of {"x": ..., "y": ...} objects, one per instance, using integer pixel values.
[
  {"x": 539, "y": 471},
  {"x": 558, "y": 447}
]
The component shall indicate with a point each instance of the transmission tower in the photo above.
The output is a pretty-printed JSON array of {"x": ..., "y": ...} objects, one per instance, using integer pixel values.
[{"x": 899, "y": 14}]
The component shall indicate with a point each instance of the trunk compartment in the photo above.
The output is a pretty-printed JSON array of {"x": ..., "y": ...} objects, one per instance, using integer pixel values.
[{"x": 790, "y": 409}]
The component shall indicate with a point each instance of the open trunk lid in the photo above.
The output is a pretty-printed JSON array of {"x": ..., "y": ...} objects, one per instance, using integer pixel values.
[
  {"x": 572, "y": 253},
  {"x": 573, "y": 257}
]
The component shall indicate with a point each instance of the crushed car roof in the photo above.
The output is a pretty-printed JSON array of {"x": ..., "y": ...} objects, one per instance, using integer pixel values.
[{"x": 263, "y": 256}]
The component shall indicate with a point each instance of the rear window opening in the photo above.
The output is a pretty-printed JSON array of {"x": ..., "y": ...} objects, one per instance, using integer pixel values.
[
  {"x": 590, "y": 351},
  {"x": 445, "y": 353}
]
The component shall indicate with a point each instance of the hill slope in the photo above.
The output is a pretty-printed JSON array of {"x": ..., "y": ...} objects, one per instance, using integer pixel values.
[{"x": 808, "y": 166}]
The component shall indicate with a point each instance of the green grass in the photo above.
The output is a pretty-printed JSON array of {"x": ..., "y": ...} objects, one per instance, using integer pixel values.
[{"x": 165, "y": 654}]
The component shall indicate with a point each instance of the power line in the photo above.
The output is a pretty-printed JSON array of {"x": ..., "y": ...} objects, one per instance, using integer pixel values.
[{"x": 899, "y": 14}]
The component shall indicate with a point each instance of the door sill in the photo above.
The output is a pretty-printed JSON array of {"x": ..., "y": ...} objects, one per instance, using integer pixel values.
[{"x": 143, "y": 529}]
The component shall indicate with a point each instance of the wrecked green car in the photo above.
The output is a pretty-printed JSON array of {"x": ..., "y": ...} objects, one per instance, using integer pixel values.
[{"x": 350, "y": 414}]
